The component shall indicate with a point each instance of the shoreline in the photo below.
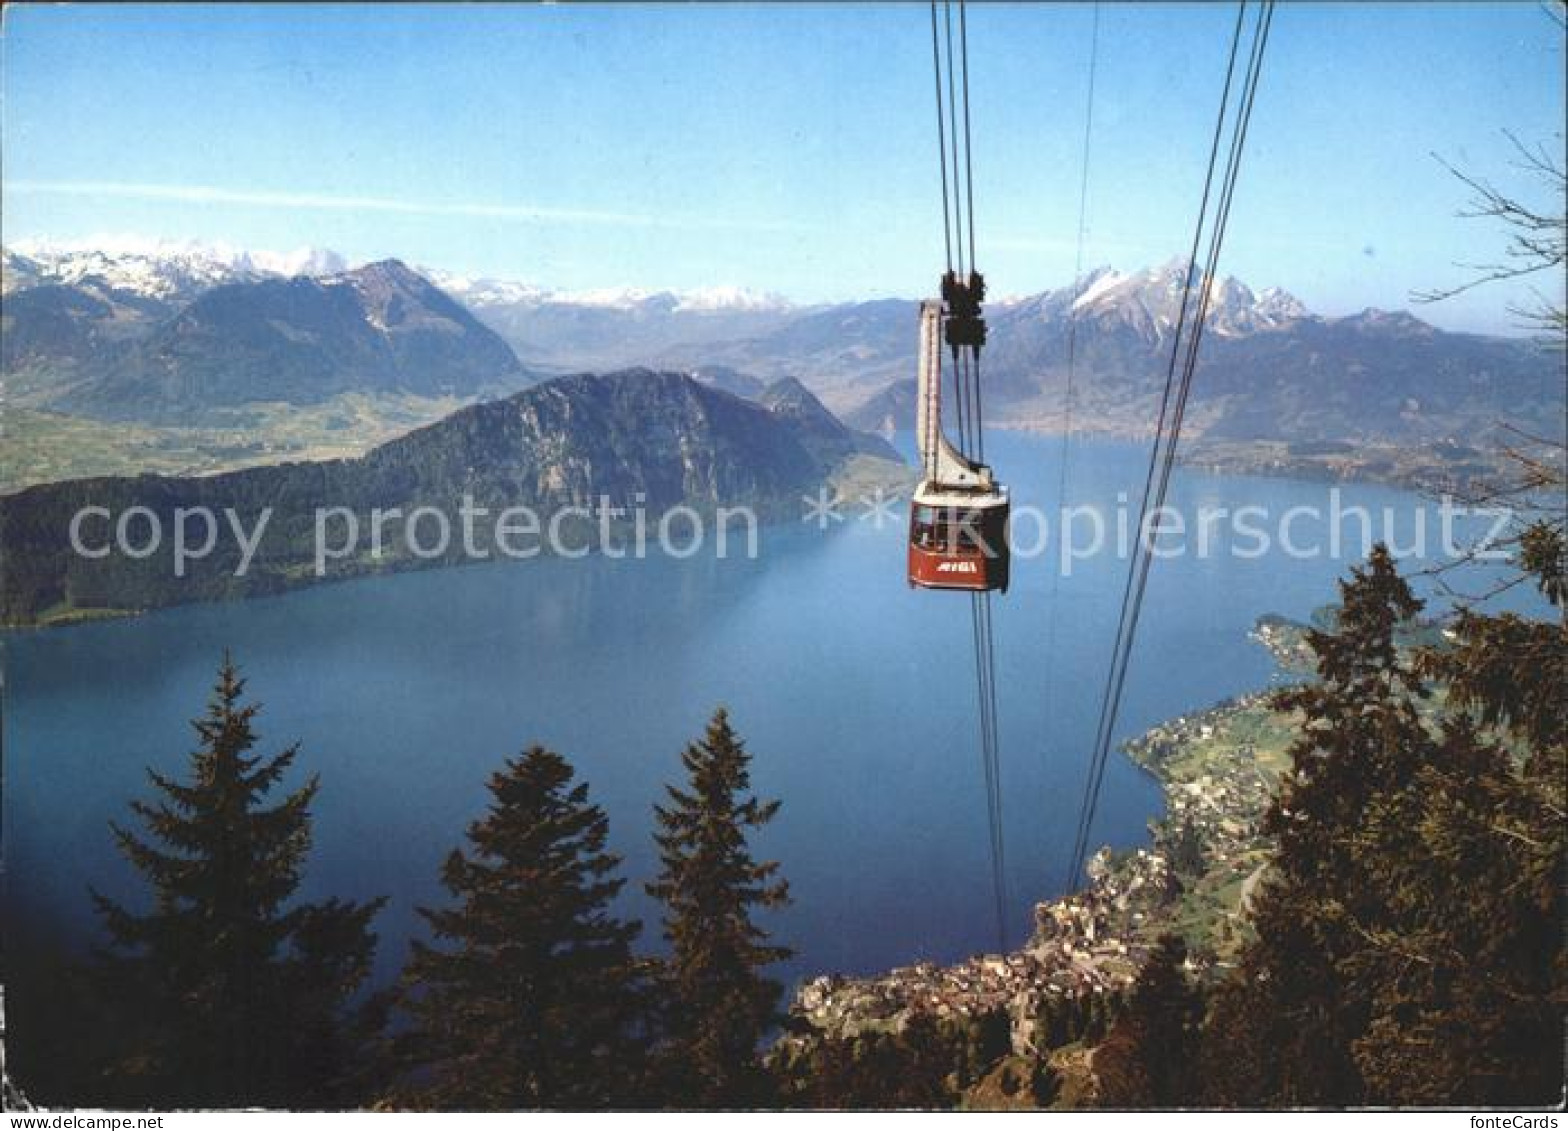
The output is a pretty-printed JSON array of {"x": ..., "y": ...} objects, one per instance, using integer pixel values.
[
  {"x": 1435, "y": 468},
  {"x": 1194, "y": 875},
  {"x": 858, "y": 473}
]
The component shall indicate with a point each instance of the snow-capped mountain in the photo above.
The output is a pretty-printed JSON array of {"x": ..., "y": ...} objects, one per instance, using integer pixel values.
[
  {"x": 168, "y": 270},
  {"x": 143, "y": 327},
  {"x": 614, "y": 327},
  {"x": 714, "y": 299},
  {"x": 179, "y": 269},
  {"x": 1269, "y": 368},
  {"x": 1150, "y": 302},
  {"x": 480, "y": 293},
  {"x": 380, "y": 328}
]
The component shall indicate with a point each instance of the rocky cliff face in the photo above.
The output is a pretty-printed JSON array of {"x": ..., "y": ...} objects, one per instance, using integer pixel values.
[
  {"x": 638, "y": 433},
  {"x": 823, "y": 433}
]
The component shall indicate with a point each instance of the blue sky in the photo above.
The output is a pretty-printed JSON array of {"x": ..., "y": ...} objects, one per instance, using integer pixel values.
[{"x": 784, "y": 148}]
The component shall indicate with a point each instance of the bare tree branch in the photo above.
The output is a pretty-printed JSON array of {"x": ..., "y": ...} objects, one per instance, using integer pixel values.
[{"x": 1537, "y": 235}]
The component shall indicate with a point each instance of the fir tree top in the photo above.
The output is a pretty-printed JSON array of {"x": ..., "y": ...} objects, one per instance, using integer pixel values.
[{"x": 241, "y": 995}]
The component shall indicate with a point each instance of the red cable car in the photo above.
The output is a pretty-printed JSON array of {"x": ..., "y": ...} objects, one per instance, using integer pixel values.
[{"x": 958, "y": 514}]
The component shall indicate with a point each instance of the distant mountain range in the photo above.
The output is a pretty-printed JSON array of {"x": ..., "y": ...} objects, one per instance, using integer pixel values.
[
  {"x": 635, "y": 437},
  {"x": 169, "y": 270},
  {"x": 611, "y": 328},
  {"x": 103, "y": 347},
  {"x": 553, "y": 330},
  {"x": 1269, "y": 370},
  {"x": 157, "y": 335}
]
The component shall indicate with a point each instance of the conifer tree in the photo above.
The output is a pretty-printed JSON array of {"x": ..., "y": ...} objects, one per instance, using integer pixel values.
[
  {"x": 535, "y": 1001},
  {"x": 1361, "y": 739},
  {"x": 721, "y": 1004},
  {"x": 230, "y": 994},
  {"x": 1469, "y": 969},
  {"x": 1409, "y": 939},
  {"x": 1464, "y": 969},
  {"x": 1361, "y": 734},
  {"x": 1484, "y": 986},
  {"x": 912, "y": 1067},
  {"x": 1149, "y": 1059}
]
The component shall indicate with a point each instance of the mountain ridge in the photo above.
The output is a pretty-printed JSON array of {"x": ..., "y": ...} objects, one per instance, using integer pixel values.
[
  {"x": 300, "y": 340},
  {"x": 1270, "y": 369},
  {"x": 632, "y": 439}
]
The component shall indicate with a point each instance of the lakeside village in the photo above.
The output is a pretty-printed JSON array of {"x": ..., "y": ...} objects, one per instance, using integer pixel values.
[{"x": 1219, "y": 769}]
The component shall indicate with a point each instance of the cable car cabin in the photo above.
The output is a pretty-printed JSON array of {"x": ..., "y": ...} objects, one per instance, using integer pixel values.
[
  {"x": 958, "y": 515},
  {"x": 958, "y": 539}
]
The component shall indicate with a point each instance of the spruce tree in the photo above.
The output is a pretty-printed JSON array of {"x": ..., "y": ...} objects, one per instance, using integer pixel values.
[
  {"x": 1468, "y": 970},
  {"x": 1361, "y": 740},
  {"x": 1361, "y": 734},
  {"x": 1409, "y": 937},
  {"x": 721, "y": 1004},
  {"x": 535, "y": 1000},
  {"x": 230, "y": 993},
  {"x": 1150, "y": 1057},
  {"x": 1464, "y": 969},
  {"x": 911, "y": 1067}
]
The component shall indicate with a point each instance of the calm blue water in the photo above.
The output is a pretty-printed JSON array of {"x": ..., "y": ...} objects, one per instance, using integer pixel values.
[{"x": 855, "y": 696}]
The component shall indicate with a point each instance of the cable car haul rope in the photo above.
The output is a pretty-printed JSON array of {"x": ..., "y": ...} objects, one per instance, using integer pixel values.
[
  {"x": 1173, "y": 403},
  {"x": 958, "y": 515},
  {"x": 959, "y": 512}
]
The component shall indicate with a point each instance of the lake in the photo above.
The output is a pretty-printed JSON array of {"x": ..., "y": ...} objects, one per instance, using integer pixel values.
[{"x": 855, "y": 696}]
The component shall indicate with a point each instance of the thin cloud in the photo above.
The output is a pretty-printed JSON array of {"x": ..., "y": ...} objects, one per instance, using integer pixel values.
[{"x": 525, "y": 213}]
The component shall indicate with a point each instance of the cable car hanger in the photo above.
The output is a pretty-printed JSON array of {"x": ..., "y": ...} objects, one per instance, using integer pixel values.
[{"x": 958, "y": 513}]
